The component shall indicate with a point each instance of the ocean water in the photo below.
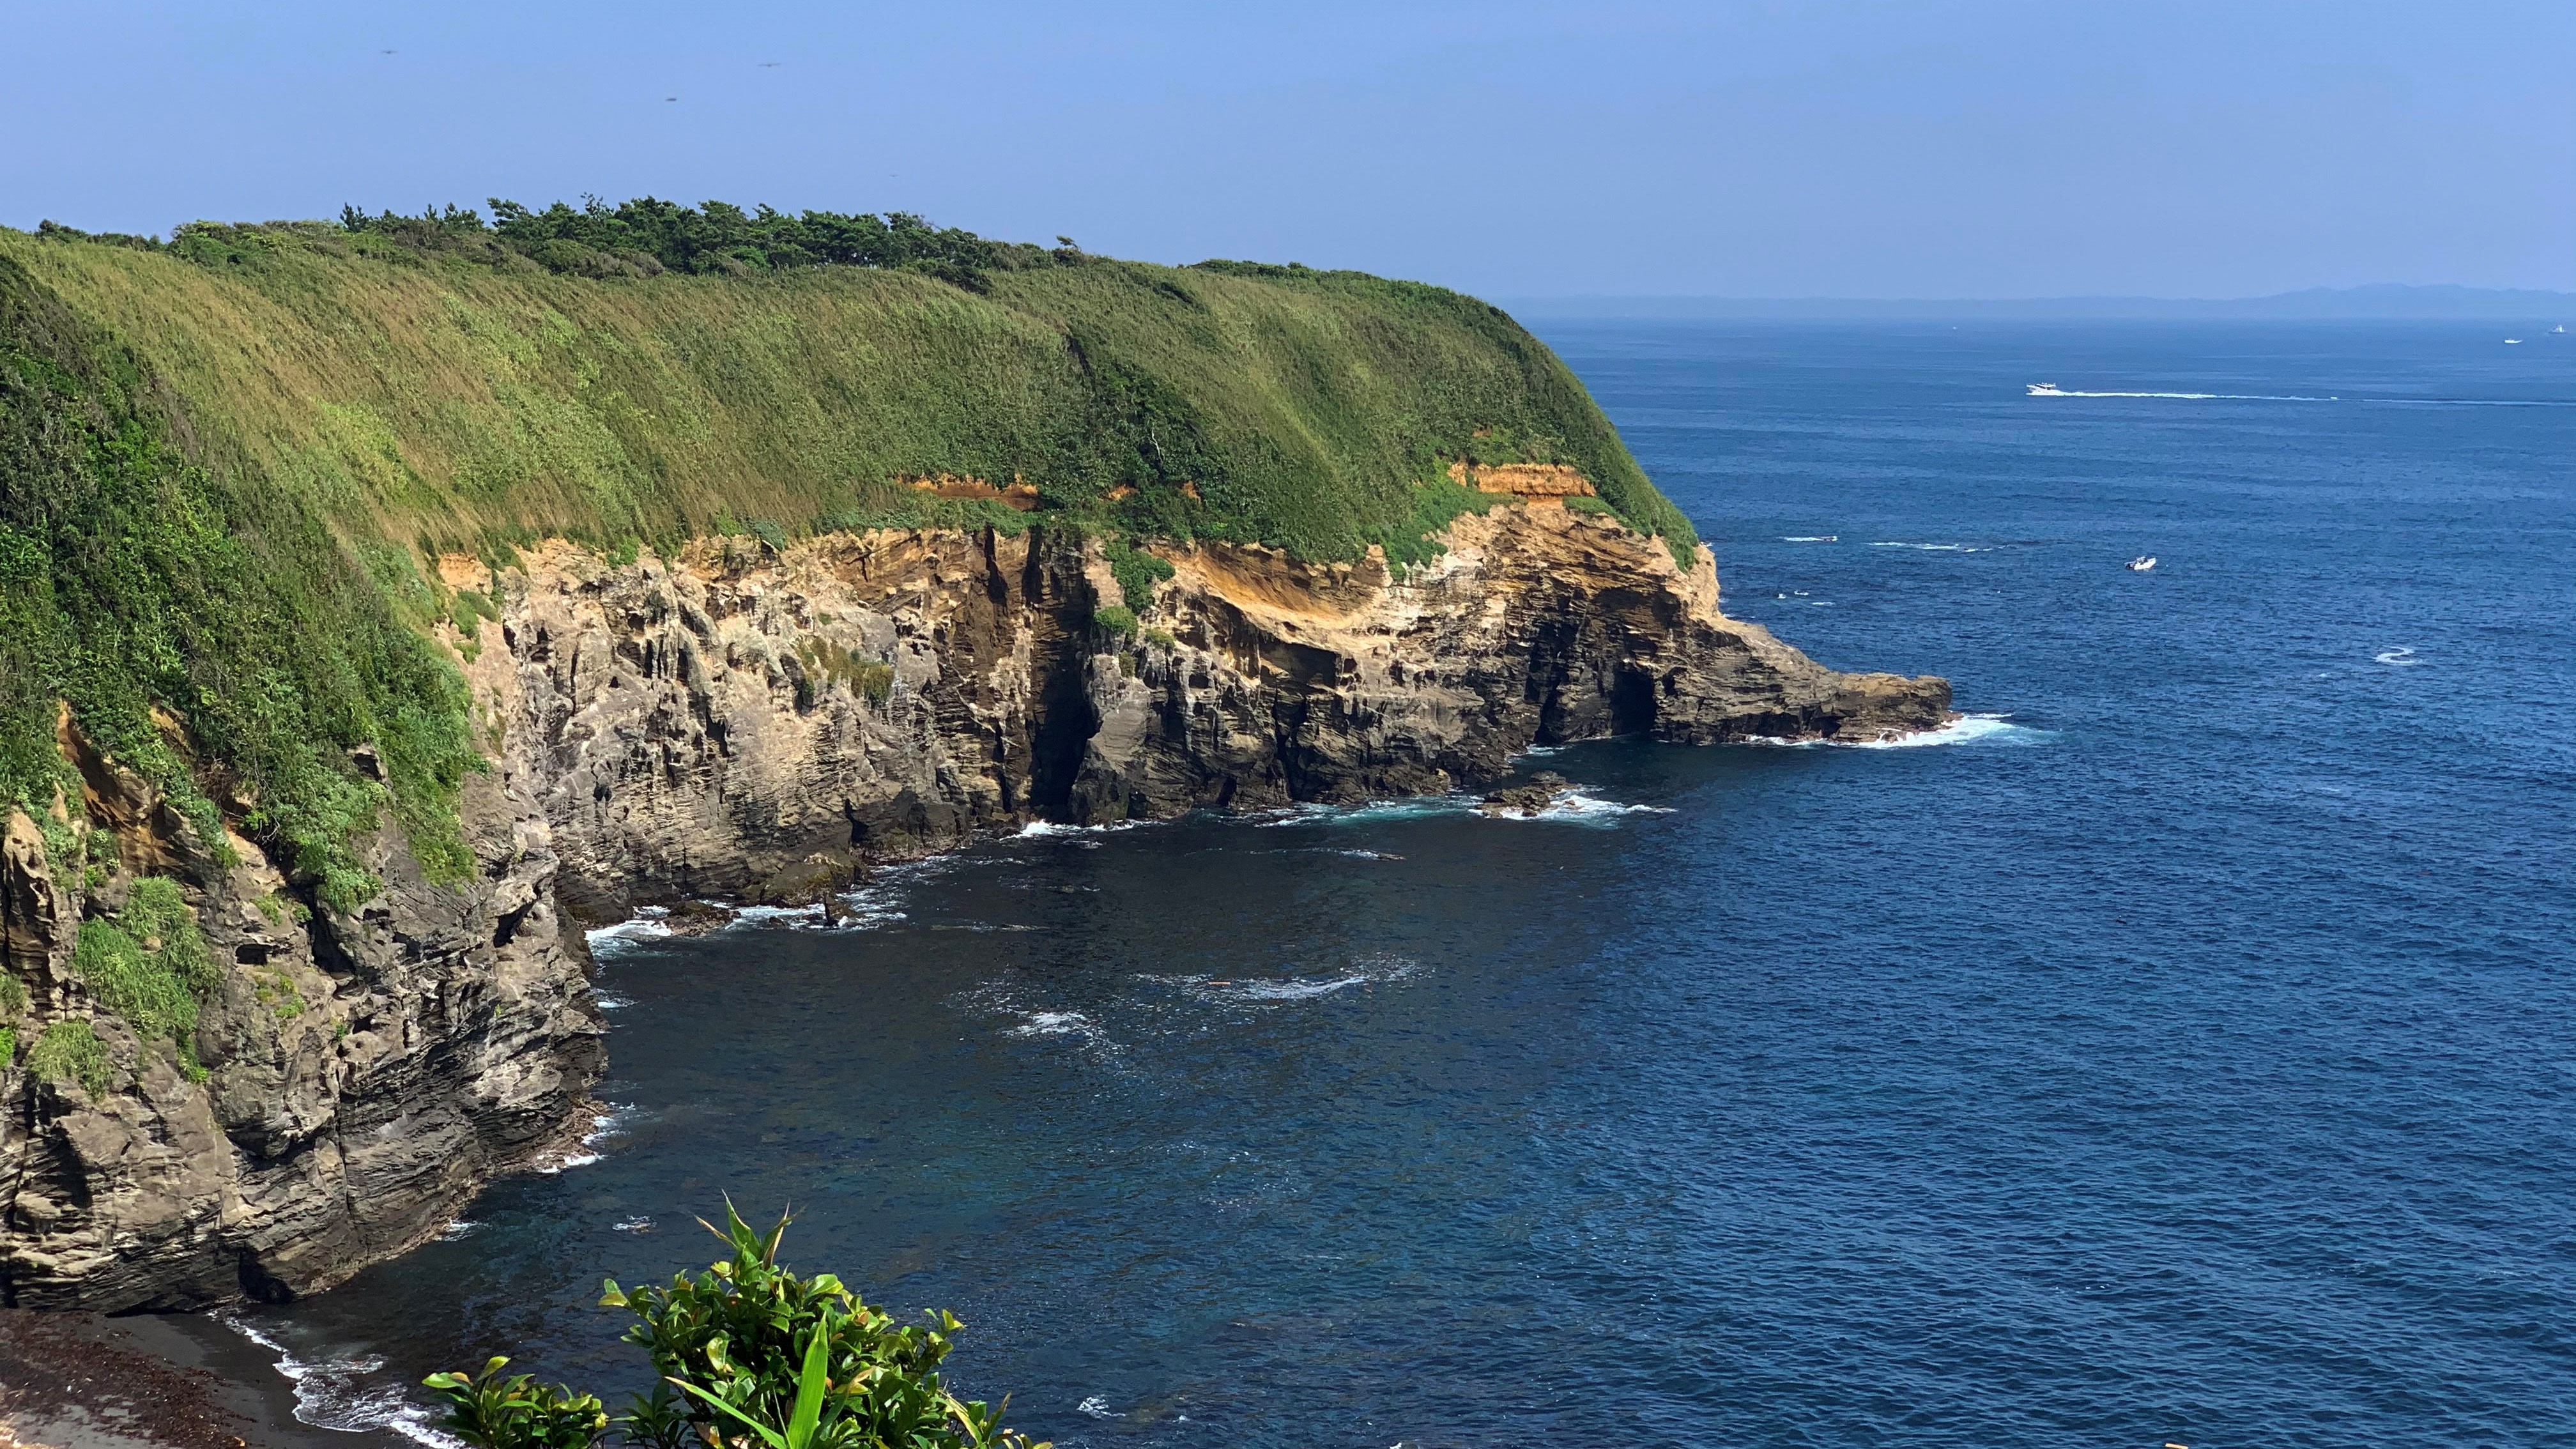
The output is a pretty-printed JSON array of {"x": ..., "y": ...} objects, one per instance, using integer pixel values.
[{"x": 2183, "y": 1050}]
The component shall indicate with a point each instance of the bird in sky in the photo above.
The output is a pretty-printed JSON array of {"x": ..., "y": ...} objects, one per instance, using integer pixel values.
[
  {"x": 670, "y": 98},
  {"x": 769, "y": 65}
]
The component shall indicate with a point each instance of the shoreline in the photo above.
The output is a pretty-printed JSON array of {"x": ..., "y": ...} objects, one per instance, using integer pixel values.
[
  {"x": 654, "y": 918},
  {"x": 83, "y": 1380},
  {"x": 78, "y": 1380}
]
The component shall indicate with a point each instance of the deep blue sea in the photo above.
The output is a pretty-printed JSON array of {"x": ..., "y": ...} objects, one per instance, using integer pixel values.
[{"x": 2186, "y": 1054}]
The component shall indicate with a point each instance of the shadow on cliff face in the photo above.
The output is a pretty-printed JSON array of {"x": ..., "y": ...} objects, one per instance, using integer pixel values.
[{"x": 1066, "y": 720}]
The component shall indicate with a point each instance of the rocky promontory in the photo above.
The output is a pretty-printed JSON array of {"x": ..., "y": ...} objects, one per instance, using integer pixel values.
[
  {"x": 748, "y": 723},
  {"x": 381, "y": 603}
]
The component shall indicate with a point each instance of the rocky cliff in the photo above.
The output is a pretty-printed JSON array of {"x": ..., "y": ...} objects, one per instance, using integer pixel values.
[
  {"x": 375, "y": 610},
  {"x": 745, "y": 722},
  {"x": 754, "y": 724},
  {"x": 348, "y": 1080}
]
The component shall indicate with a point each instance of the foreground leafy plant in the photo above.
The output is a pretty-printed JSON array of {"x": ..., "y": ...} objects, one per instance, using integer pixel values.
[
  {"x": 750, "y": 1356},
  {"x": 488, "y": 1409}
]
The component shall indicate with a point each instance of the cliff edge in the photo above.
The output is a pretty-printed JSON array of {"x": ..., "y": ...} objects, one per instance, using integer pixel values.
[{"x": 369, "y": 621}]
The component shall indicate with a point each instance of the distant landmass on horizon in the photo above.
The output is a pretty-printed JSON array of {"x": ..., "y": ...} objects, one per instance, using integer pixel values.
[{"x": 2382, "y": 303}]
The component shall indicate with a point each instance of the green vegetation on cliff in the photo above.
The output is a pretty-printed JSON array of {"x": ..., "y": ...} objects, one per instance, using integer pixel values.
[{"x": 225, "y": 461}]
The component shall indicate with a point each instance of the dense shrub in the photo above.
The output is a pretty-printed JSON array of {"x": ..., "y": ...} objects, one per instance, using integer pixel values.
[
  {"x": 150, "y": 966},
  {"x": 70, "y": 1051},
  {"x": 488, "y": 1409},
  {"x": 646, "y": 236},
  {"x": 1137, "y": 572},
  {"x": 751, "y": 1356}
]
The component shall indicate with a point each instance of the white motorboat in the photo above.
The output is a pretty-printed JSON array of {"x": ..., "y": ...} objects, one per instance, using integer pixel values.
[
  {"x": 2142, "y": 563},
  {"x": 2047, "y": 389}
]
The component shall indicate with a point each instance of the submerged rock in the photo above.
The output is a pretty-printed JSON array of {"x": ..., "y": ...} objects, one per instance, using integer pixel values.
[{"x": 1544, "y": 788}]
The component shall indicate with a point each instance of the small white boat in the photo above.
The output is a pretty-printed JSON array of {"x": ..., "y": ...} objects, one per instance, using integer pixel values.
[
  {"x": 2513, "y": 342},
  {"x": 2142, "y": 563},
  {"x": 2046, "y": 389},
  {"x": 2561, "y": 327}
]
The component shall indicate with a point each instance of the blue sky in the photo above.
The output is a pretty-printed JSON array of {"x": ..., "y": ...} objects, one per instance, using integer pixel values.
[{"x": 1510, "y": 147}]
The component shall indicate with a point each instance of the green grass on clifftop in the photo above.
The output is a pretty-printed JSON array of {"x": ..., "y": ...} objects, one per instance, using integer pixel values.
[{"x": 225, "y": 463}]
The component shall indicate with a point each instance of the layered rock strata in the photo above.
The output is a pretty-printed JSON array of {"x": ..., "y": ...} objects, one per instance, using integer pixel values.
[
  {"x": 745, "y": 723},
  {"x": 352, "y": 1078}
]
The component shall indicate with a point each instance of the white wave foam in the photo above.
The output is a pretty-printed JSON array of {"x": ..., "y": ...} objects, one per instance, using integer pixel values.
[
  {"x": 1942, "y": 547},
  {"x": 1300, "y": 989},
  {"x": 2403, "y": 657},
  {"x": 1580, "y": 806},
  {"x": 1274, "y": 990},
  {"x": 1055, "y": 1023},
  {"x": 1815, "y": 538},
  {"x": 605, "y": 1127},
  {"x": 1096, "y": 1407},
  {"x": 639, "y": 928},
  {"x": 1967, "y": 729},
  {"x": 1413, "y": 808},
  {"x": 1577, "y": 806},
  {"x": 633, "y": 1225},
  {"x": 340, "y": 1393},
  {"x": 461, "y": 1228},
  {"x": 610, "y": 1001},
  {"x": 1042, "y": 828},
  {"x": 618, "y": 1121}
]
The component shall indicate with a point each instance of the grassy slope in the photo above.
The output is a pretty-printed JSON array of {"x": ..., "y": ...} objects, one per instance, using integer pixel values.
[
  {"x": 216, "y": 482},
  {"x": 452, "y": 404}
]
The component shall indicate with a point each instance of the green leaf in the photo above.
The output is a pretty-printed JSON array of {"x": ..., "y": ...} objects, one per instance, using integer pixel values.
[
  {"x": 768, "y": 1434},
  {"x": 809, "y": 1389}
]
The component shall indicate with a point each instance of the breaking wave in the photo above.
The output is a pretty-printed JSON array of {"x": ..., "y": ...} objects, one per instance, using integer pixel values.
[
  {"x": 1577, "y": 806},
  {"x": 1967, "y": 729},
  {"x": 645, "y": 925},
  {"x": 343, "y": 1393},
  {"x": 617, "y": 1121},
  {"x": 1278, "y": 990}
]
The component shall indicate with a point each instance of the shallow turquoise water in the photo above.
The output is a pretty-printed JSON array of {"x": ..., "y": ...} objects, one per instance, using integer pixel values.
[{"x": 2185, "y": 1057}]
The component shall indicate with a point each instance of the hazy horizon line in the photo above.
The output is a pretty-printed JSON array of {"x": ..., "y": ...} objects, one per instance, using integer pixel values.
[{"x": 2372, "y": 301}]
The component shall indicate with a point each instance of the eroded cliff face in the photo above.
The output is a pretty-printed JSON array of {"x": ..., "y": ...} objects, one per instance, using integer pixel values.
[
  {"x": 744, "y": 723},
  {"x": 355, "y": 1077},
  {"x": 751, "y": 724}
]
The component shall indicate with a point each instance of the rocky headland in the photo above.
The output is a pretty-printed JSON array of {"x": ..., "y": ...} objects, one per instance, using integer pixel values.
[
  {"x": 749, "y": 724},
  {"x": 380, "y": 609}
]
